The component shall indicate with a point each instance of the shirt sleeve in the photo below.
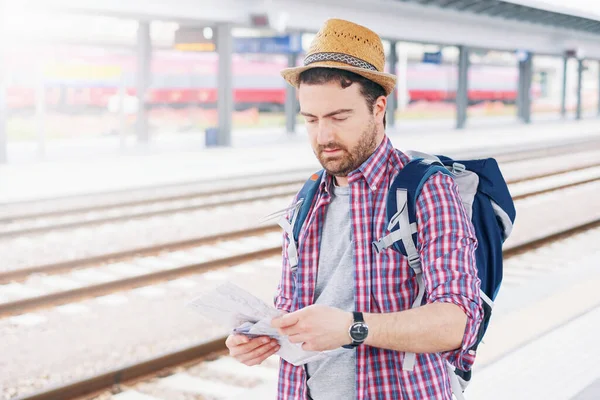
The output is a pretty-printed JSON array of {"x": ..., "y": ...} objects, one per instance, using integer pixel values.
[{"x": 447, "y": 244}]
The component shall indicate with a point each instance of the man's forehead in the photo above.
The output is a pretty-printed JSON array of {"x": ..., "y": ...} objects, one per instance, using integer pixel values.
[{"x": 324, "y": 101}]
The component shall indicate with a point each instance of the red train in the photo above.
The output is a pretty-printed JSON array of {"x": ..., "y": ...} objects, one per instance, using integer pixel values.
[{"x": 76, "y": 78}]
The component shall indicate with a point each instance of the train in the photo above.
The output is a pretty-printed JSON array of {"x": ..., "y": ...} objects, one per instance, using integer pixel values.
[{"x": 86, "y": 78}]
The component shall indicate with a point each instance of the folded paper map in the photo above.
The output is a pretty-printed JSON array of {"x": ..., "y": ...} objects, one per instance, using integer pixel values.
[{"x": 244, "y": 313}]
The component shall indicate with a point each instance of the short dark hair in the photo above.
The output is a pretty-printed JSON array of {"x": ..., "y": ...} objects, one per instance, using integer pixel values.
[{"x": 370, "y": 90}]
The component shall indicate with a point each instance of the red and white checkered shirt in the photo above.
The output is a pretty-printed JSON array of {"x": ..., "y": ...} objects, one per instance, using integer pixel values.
[{"x": 385, "y": 283}]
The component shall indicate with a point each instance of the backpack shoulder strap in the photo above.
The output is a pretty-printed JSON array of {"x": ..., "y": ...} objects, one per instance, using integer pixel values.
[
  {"x": 401, "y": 205},
  {"x": 306, "y": 195},
  {"x": 299, "y": 211}
]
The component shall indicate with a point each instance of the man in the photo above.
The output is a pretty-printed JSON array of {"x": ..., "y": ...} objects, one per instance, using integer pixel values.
[{"x": 340, "y": 282}]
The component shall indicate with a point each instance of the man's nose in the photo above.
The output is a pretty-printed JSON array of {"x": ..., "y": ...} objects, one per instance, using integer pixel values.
[{"x": 325, "y": 133}]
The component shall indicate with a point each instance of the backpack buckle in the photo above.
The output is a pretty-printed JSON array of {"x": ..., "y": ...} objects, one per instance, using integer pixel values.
[
  {"x": 457, "y": 168},
  {"x": 414, "y": 260},
  {"x": 378, "y": 246}
]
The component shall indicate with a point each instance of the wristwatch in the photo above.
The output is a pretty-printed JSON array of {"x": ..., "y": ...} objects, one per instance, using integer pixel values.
[{"x": 358, "y": 331}]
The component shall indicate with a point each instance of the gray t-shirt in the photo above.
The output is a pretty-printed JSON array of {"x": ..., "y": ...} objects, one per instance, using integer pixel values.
[{"x": 334, "y": 377}]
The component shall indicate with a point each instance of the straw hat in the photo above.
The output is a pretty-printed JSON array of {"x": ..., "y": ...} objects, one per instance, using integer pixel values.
[{"x": 345, "y": 45}]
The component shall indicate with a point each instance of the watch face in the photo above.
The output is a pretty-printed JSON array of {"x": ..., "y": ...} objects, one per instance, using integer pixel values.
[{"x": 359, "y": 332}]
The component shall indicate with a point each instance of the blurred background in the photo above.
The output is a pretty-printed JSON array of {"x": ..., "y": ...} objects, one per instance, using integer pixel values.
[
  {"x": 142, "y": 144},
  {"x": 73, "y": 76}
]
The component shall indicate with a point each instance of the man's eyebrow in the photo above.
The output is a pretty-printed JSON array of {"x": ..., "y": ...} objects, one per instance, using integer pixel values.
[{"x": 331, "y": 114}]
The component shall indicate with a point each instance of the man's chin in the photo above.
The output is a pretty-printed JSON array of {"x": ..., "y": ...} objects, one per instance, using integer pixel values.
[
  {"x": 335, "y": 170},
  {"x": 334, "y": 166}
]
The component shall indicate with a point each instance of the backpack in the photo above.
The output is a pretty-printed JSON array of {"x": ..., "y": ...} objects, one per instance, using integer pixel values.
[{"x": 487, "y": 201}]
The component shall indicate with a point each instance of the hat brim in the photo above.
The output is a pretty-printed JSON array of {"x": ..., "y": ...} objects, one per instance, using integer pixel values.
[{"x": 387, "y": 81}]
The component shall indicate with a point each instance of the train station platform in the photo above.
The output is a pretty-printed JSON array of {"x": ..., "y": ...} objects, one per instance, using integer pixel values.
[
  {"x": 542, "y": 342},
  {"x": 72, "y": 168}
]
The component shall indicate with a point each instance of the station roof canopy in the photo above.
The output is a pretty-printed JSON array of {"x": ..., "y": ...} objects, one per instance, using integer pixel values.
[
  {"x": 520, "y": 11},
  {"x": 511, "y": 25}
]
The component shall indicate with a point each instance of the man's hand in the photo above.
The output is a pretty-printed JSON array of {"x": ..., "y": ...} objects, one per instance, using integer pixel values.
[
  {"x": 251, "y": 351},
  {"x": 319, "y": 327}
]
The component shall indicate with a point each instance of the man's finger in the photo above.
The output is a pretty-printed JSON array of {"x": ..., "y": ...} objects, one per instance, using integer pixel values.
[
  {"x": 285, "y": 320},
  {"x": 247, "y": 347},
  {"x": 298, "y": 338},
  {"x": 236, "y": 340},
  {"x": 292, "y": 330},
  {"x": 257, "y": 352},
  {"x": 261, "y": 358}
]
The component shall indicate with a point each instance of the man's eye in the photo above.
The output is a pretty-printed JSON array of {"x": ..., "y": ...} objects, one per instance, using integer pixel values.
[
  {"x": 340, "y": 119},
  {"x": 311, "y": 121}
]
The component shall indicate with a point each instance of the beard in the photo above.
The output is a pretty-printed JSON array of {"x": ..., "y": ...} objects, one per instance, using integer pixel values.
[{"x": 347, "y": 160}]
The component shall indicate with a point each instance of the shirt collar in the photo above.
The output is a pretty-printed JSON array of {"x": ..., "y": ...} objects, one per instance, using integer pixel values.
[
  {"x": 372, "y": 170},
  {"x": 326, "y": 183}
]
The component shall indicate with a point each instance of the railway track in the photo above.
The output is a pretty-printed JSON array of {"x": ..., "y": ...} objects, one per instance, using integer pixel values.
[
  {"x": 47, "y": 221},
  {"x": 258, "y": 244},
  {"x": 57, "y": 206},
  {"x": 206, "y": 190},
  {"x": 164, "y": 364},
  {"x": 146, "y": 266},
  {"x": 147, "y": 208}
]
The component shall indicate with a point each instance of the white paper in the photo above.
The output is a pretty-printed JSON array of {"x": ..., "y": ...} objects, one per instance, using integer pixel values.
[{"x": 237, "y": 309}]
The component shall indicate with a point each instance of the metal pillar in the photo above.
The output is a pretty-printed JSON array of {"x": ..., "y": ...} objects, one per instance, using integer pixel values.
[
  {"x": 392, "y": 104},
  {"x": 402, "y": 88},
  {"x": 225, "y": 83},
  {"x": 3, "y": 138},
  {"x": 40, "y": 112},
  {"x": 122, "y": 116},
  {"x": 563, "y": 104},
  {"x": 527, "y": 90},
  {"x": 520, "y": 91},
  {"x": 524, "y": 94},
  {"x": 144, "y": 56},
  {"x": 579, "y": 83},
  {"x": 291, "y": 105},
  {"x": 462, "y": 99}
]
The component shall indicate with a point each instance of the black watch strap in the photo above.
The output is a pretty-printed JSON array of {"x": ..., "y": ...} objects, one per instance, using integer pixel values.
[{"x": 358, "y": 317}]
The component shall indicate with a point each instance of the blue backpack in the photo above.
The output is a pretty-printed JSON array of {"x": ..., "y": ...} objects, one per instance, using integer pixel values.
[{"x": 487, "y": 201}]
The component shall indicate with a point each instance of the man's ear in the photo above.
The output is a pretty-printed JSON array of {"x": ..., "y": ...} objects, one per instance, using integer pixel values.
[{"x": 379, "y": 108}]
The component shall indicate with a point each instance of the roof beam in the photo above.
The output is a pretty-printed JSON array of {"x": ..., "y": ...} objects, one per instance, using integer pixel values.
[
  {"x": 523, "y": 15},
  {"x": 571, "y": 23},
  {"x": 482, "y": 6},
  {"x": 452, "y": 3},
  {"x": 588, "y": 25},
  {"x": 468, "y": 6},
  {"x": 560, "y": 20},
  {"x": 503, "y": 9},
  {"x": 396, "y": 20}
]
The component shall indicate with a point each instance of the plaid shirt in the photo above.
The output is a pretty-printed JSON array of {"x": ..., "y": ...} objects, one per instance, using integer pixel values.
[{"x": 385, "y": 283}]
